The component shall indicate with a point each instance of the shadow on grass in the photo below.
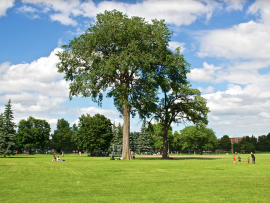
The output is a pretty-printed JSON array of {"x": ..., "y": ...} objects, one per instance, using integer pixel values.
[
  {"x": 177, "y": 158},
  {"x": 17, "y": 157}
]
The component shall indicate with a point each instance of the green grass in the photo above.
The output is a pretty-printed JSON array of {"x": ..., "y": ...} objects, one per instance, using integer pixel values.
[{"x": 35, "y": 178}]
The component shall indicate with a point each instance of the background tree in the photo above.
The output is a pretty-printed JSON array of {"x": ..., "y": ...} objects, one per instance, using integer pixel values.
[
  {"x": 33, "y": 134},
  {"x": 8, "y": 132},
  {"x": 2, "y": 134},
  {"x": 212, "y": 141},
  {"x": 117, "y": 141},
  {"x": 119, "y": 54},
  {"x": 224, "y": 143},
  {"x": 177, "y": 102},
  {"x": 155, "y": 131},
  {"x": 94, "y": 133},
  {"x": 237, "y": 147},
  {"x": 198, "y": 138},
  {"x": 176, "y": 142},
  {"x": 133, "y": 140},
  {"x": 264, "y": 142},
  {"x": 144, "y": 139},
  {"x": 62, "y": 136},
  {"x": 74, "y": 128},
  {"x": 247, "y": 144}
]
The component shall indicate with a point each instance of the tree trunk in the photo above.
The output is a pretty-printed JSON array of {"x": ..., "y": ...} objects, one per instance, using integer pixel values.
[
  {"x": 126, "y": 129},
  {"x": 165, "y": 144}
]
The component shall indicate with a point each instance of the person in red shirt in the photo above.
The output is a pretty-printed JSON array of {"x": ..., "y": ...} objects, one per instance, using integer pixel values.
[{"x": 234, "y": 159}]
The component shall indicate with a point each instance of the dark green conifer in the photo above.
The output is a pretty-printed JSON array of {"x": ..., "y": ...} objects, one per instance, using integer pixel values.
[{"x": 7, "y": 131}]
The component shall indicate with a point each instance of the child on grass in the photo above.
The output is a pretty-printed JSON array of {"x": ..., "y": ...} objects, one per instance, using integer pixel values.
[{"x": 239, "y": 159}]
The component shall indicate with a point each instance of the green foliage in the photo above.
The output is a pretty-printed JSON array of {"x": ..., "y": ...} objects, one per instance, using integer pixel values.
[
  {"x": 247, "y": 145},
  {"x": 74, "y": 128},
  {"x": 176, "y": 141},
  {"x": 237, "y": 147},
  {"x": 211, "y": 141},
  {"x": 2, "y": 134},
  {"x": 94, "y": 133},
  {"x": 7, "y": 131},
  {"x": 144, "y": 139},
  {"x": 62, "y": 136},
  {"x": 177, "y": 102},
  {"x": 224, "y": 143},
  {"x": 133, "y": 141},
  {"x": 264, "y": 143},
  {"x": 118, "y": 55},
  {"x": 117, "y": 141},
  {"x": 33, "y": 134},
  {"x": 117, "y": 52},
  {"x": 156, "y": 133},
  {"x": 198, "y": 138}
]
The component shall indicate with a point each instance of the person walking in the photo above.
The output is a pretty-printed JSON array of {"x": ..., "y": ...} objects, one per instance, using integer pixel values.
[
  {"x": 239, "y": 159},
  {"x": 253, "y": 158},
  {"x": 234, "y": 159}
]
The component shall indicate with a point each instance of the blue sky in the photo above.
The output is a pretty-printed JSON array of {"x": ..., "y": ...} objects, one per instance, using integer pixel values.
[{"x": 226, "y": 42}]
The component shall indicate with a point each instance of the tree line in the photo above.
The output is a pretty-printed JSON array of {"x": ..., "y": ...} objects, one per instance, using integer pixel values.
[
  {"x": 97, "y": 134},
  {"x": 247, "y": 144},
  {"x": 129, "y": 59}
]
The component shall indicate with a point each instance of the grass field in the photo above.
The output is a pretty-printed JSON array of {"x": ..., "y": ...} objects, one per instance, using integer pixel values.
[{"x": 35, "y": 178}]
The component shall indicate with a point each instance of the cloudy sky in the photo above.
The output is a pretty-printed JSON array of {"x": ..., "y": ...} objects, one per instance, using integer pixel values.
[{"x": 227, "y": 43}]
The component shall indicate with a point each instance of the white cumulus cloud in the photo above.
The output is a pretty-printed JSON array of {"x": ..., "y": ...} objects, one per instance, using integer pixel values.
[
  {"x": 5, "y": 5},
  {"x": 183, "y": 12},
  {"x": 206, "y": 74},
  {"x": 234, "y": 4}
]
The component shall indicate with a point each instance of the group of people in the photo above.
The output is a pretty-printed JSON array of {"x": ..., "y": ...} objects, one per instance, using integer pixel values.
[
  {"x": 57, "y": 159},
  {"x": 248, "y": 159}
]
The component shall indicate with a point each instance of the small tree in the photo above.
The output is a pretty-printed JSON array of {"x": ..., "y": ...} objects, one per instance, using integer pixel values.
[
  {"x": 155, "y": 131},
  {"x": 198, "y": 138},
  {"x": 62, "y": 136},
  {"x": 33, "y": 133},
  {"x": 95, "y": 133},
  {"x": 144, "y": 139},
  {"x": 133, "y": 140},
  {"x": 177, "y": 141},
  {"x": 7, "y": 131},
  {"x": 117, "y": 141},
  {"x": 225, "y": 143}
]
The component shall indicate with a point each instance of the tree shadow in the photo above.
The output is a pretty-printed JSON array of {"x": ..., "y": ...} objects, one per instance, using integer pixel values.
[
  {"x": 178, "y": 158},
  {"x": 17, "y": 157}
]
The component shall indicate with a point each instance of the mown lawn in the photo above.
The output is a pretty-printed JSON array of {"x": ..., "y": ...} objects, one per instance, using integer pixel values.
[{"x": 35, "y": 178}]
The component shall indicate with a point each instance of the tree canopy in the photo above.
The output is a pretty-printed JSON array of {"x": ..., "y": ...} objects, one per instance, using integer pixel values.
[
  {"x": 33, "y": 134},
  {"x": 198, "y": 138},
  {"x": 177, "y": 101},
  {"x": 225, "y": 143},
  {"x": 94, "y": 133},
  {"x": 62, "y": 136},
  {"x": 117, "y": 55}
]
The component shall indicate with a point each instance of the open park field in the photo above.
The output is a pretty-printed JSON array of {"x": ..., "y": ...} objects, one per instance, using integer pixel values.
[{"x": 35, "y": 178}]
